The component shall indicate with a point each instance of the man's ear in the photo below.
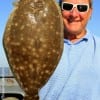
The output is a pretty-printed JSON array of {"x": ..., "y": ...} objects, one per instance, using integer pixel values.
[{"x": 90, "y": 13}]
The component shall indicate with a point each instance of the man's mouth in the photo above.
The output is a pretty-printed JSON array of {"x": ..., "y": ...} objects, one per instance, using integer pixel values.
[{"x": 71, "y": 20}]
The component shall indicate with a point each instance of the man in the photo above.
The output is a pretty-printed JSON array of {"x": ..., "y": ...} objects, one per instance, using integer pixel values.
[{"x": 77, "y": 76}]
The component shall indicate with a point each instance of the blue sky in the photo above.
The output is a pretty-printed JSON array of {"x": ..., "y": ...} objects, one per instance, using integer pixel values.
[{"x": 6, "y": 6}]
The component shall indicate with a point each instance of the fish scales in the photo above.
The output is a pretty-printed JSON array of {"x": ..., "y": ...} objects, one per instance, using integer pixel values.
[{"x": 33, "y": 43}]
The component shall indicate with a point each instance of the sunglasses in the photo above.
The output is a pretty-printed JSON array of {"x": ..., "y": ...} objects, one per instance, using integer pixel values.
[{"x": 69, "y": 6}]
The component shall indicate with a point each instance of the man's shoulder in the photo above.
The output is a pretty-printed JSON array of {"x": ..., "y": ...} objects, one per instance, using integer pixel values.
[
  {"x": 96, "y": 38},
  {"x": 96, "y": 41}
]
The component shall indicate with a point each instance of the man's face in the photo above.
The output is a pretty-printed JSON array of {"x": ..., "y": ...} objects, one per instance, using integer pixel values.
[{"x": 74, "y": 20}]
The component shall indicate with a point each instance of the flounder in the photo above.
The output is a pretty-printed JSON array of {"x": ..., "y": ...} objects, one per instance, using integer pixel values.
[{"x": 33, "y": 43}]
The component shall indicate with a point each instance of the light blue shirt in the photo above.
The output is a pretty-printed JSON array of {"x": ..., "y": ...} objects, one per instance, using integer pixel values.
[{"x": 77, "y": 76}]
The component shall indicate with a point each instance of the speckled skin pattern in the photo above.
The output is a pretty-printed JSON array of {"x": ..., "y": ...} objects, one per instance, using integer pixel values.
[{"x": 33, "y": 43}]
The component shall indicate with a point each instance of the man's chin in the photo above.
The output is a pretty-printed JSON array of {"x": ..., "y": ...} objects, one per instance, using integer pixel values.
[{"x": 74, "y": 32}]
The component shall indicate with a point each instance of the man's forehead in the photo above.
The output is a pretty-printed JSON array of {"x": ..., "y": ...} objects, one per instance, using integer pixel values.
[{"x": 77, "y": 1}]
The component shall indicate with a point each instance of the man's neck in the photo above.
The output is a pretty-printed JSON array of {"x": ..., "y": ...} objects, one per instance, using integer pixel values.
[{"x": 74, "y": 37}]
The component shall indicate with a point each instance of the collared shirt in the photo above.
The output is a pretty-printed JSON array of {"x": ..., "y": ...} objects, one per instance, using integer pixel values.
[{"x": 77, "y": 76}]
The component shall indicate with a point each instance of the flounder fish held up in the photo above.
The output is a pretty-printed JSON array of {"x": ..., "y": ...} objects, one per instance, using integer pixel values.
[{"x": 33, "y": 43}]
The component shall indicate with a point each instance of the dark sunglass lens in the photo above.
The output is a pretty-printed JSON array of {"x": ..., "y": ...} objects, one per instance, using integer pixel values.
[
  {"x": 67, "y": 6},
  {"x": 82, "y": 8}
]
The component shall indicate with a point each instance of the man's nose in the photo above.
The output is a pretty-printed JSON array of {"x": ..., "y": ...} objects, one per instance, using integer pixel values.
[{"x": 75, "y": 12}]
